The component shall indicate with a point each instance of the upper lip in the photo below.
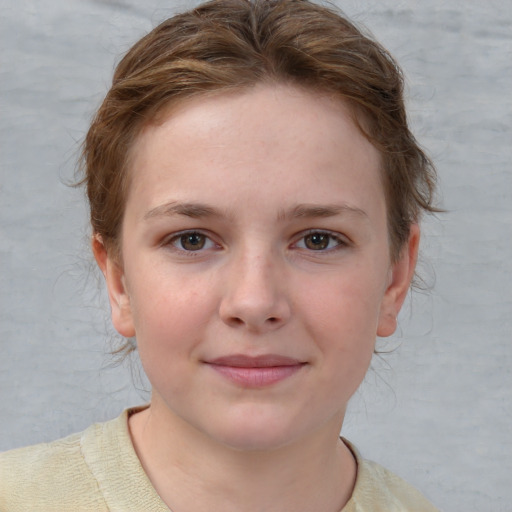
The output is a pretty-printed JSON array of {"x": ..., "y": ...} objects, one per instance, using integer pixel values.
[{"x": 265, "y": 361}]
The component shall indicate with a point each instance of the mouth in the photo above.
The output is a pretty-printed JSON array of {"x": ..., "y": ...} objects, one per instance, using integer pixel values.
[{"x": 256, "y": 372}]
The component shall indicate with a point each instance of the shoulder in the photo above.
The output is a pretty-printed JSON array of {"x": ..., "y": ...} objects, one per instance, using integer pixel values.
[
  {"x": 48, "y": 476},
  {"x": 378, "y": 489},
  {"x": 96, "y": 470}
]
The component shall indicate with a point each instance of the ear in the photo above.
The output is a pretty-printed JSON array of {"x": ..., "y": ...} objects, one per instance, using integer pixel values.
[
  {"x": 401, "y": 274},
  {"x": 119, "y": 299}
]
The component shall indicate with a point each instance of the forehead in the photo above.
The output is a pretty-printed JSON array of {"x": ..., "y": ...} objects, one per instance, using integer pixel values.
[{"x": 267, "y": 136}]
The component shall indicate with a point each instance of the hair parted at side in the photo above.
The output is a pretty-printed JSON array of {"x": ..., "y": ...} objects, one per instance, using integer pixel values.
[{"x": 233, "y": 44}]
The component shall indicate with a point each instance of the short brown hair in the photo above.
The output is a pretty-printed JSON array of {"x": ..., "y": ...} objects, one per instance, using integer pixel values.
[{"x": 233, "y": 44}]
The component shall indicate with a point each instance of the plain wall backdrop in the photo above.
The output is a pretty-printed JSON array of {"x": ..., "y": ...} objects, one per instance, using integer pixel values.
[{"x": 438, "y": 408}]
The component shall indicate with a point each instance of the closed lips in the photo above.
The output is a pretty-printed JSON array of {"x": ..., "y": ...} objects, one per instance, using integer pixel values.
[
  {"x": 256, "y": 372},
  {"x": 242, "y": 361}
]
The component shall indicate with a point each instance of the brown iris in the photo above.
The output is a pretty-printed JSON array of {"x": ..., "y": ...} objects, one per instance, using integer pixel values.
[
  {"x": 192, "y": 241},
  {"x": 317, "y": 241}
]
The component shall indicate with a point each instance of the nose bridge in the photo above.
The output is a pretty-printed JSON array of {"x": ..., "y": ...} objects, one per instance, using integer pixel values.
[{"x": 255, "y": 296}]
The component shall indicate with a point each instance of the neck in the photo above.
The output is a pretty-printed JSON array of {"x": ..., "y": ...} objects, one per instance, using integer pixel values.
[{"x": 193, "y": 473}]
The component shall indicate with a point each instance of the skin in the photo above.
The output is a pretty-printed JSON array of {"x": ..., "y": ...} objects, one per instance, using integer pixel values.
[{"x": 282, "y": 196}]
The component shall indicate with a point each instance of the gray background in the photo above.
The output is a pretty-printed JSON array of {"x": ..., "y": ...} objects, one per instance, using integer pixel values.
[{"x": 438, "y": 408}]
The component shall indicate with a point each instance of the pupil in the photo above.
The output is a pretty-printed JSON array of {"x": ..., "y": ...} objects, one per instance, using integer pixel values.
[
  {"x": 193, "y": 241},
  {"x": 317, "y": 241}
]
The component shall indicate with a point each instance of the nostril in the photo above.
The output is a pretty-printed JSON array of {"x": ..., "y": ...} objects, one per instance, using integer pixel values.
[{"x": 236, "y": 321}]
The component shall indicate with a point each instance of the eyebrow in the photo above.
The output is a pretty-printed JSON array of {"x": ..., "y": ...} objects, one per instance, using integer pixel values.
[
  {"x": 193, "y": 210},
  {"x": 300, "y": 211}
]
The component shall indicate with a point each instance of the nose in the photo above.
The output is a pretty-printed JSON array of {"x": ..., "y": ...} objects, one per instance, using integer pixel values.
[{"x": 255, "y": 296}]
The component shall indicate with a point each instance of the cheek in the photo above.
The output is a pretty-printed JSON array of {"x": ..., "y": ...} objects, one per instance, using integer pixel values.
[
  {"x": 169, "y": 314},
  {"x": 346, "y": 304},
  {"x": 168, "y": 327},
  {"x": 342, "y": 317}
]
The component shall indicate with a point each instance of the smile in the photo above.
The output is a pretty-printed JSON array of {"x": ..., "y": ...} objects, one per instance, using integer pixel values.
[{"x": 256, "y": 372}]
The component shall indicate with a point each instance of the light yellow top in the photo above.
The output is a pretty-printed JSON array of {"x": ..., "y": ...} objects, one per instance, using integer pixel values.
[{"x": 98, "y": 471}]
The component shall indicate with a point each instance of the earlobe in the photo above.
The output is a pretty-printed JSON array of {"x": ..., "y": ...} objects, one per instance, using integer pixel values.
[
  {"x": 118, "y": 296},
  {"x": 402, "y": 272}
]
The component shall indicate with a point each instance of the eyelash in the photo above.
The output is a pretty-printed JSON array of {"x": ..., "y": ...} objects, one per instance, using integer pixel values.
[
  {"x": 174, "y": 240},
  {"x": 178, "y": 238},
  {"x": 332, "y": 237}
]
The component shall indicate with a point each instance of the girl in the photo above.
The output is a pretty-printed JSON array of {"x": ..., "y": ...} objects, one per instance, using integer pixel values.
[{"x": 255, "y": 195}]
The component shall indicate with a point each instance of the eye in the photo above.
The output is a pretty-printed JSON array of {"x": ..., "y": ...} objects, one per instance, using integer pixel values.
[
  {"x": 320, "y": 241},
  {"x": 191, "y": 241}
]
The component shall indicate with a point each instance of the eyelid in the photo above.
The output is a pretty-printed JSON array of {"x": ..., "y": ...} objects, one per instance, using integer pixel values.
[
  {"x": 342, "y": 241},
  {"x": 169, "y": 240}
]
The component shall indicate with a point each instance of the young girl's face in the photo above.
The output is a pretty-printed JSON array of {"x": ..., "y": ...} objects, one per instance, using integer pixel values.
[{"x": 256, "y": 266}]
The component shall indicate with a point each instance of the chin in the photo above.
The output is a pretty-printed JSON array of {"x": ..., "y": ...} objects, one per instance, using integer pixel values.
[{"x": 252, "y": 432}]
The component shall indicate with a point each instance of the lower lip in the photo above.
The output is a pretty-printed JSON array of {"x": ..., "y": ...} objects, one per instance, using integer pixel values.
[{"x": 257, "y": 377}]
